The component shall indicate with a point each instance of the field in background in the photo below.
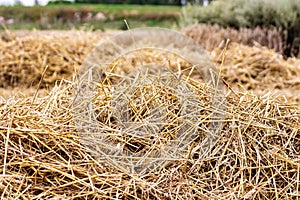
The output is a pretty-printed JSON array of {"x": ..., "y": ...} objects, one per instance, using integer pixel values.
[
  {"x": 240, "y": 14},
  {"x": 89, "y": 16}
]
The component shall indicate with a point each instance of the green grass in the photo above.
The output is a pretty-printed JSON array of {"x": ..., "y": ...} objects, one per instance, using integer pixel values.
[
  {"x": 111, "y": 25},
  {"x": 62, "y": 16},
  {"x": 118, "y": 7}
]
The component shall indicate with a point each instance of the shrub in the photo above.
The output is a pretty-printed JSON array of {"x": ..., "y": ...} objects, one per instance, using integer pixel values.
[
  {"x": 251, "y": 13},
  {"x": 59, "y": 2}
]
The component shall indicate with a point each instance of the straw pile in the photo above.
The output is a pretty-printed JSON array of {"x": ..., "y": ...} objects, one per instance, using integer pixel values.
[
  {"x": 24, "y": 58},
  {"x": 261, "y": 70},
  {"x": 255, "y": 157}
]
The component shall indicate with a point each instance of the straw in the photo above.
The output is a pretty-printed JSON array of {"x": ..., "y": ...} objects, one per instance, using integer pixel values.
[
  {"x": 256, "y": 156},
  {"x": 261, "y": 70}
]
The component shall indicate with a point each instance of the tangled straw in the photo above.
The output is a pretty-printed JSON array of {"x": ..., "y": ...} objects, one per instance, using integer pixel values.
[
  {"x": 256, "y": 155},
  {"x": 152, "y": 112}
]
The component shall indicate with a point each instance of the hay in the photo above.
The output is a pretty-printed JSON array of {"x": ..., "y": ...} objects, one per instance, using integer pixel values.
[
  {"x": 24, "y": 57},
  {"x": 22, "y": 62},
  {"x": 256, "y": 156},
  {"x": 26, "y": 54},
  {"x": 146, "y": 106},
  {"x": 261, "y": 70}
]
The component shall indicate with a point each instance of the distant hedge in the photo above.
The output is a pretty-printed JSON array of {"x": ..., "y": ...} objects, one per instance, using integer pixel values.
[
  {"x": 71, "y": 14},
  {"x": 281, "y": 14},
  {"x": 157, "y": 2}
]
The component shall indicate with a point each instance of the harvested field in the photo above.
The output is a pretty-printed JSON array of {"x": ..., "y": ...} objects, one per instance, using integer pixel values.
[
  {"x": 256, "y": 155},
  {"x": 211, "y": 36}
]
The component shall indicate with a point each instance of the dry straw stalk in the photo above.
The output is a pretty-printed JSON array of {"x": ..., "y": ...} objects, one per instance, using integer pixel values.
[{"x": 256, "y": 157}]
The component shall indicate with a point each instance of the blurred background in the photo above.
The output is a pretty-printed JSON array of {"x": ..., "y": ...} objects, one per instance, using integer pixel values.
[
  {"x": 90, "y": 14},
  {"x": 274, "y": 24},
  {"x": 45, "y": 2}
]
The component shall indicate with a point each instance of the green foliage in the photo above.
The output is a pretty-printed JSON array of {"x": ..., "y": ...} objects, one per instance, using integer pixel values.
[
  {"x": 59, "y": 2},
  {"x": 249, "y": 13},
  {"x": 155, "y": 2},
  {"x": 67, "y": 12},
  {"x": 57, "y": 16}
]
